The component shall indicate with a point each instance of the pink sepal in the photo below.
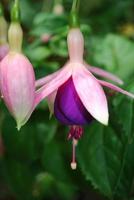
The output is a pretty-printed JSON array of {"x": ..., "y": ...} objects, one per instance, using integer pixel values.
[
  {"x": 91, "y": 94},
  {"x": 105, "y": 74},
  {"x": 116, "y": 88}
]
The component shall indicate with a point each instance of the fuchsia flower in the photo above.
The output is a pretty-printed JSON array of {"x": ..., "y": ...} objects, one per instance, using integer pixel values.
[
  {"x": 17, "y": 82},
  {"x": 17, "y": 79},
  {"x": 76, "y": 96}
]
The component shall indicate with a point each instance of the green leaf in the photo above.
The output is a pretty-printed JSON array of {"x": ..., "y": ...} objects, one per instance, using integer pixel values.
[
  {"x": 28, "y": 143},
  {"x": 54, "y": 163},
  {"x": 19, "y": 178},
  {"x": 48, "y": 23},
  {"x": 116, "y": 54},
  {"x": 107, "y": 159}
]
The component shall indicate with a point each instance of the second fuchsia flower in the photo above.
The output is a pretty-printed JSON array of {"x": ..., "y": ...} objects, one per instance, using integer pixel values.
[{"x": 17, "y": 79}]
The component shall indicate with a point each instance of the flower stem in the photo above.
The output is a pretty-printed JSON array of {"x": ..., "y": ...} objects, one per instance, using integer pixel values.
[
  {"x": 58, "y": 2},
  {"x": 75, "y": 5},
  {"x": 1, "y": 10},
  {"x": 15, "y": 12},
  {"x": 74, "y": 19}
]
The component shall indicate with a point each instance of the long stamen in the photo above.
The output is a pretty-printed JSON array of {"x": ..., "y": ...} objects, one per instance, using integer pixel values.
[{"x": 74, "y": 163}]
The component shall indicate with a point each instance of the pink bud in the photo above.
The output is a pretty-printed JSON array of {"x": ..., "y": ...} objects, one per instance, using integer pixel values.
[
  {"x": 45, "y": 37},
  {"x": 58, "y": 9},
  {"x": 17, "y": 82}
]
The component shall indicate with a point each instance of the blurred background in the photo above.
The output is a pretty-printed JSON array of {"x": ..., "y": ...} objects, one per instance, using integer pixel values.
[{"x": 35, "y": 162}]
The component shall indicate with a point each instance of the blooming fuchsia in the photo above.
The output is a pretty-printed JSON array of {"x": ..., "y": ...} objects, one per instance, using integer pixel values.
[
  {"x": 17, "y": 79},
  {"x": 75, "y": 94},
  {"x": 4, "y": 47}
]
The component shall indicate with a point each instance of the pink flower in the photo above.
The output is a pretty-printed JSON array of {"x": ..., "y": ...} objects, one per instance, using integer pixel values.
[
  {"x": 17, "y": 79},
  {"x": 17, "y": 82},
  {"x": 76, "y": 96},
  {"x": 45, "y": 38},
  {"x": 88, "y": 88}
]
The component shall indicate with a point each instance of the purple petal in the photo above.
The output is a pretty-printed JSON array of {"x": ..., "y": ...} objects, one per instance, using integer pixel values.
[{"x": 68, "y": 107}]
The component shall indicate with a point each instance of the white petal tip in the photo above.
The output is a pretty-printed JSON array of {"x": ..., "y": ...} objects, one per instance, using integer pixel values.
[
  {"x": 104, "y": 121},
  {"x": 73, "y": 165},
  {"x": 18, "y": 126}
]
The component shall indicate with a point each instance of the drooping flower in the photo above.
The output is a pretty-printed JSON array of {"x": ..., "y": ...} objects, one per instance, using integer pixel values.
[
  {"x": 17, "y": 79},
  {"x": 76, "y": 96}
]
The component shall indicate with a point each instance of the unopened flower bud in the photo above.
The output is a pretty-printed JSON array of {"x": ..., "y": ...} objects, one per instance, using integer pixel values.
[
  {"x": 17, "y": 82},
  {"x": 58, "y": 9}
]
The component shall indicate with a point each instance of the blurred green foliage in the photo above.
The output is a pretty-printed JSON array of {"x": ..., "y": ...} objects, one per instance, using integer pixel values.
[{"x": 36, "y": 161}]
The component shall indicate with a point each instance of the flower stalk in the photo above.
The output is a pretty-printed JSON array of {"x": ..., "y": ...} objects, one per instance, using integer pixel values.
[
  {"x": 15, "y": 33},
  {"x": 1, "y": 10},
  {"x": 74, "y": 18}
]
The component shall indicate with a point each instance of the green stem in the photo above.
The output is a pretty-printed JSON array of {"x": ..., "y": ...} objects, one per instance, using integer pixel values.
[
  {"x": 16, "y": 2},
  {"x": 15, "y": 12},
  {"x": 75, "y": 5},
  {"x": 74, "y": 18},
  {"x": 1, "y": 10},
  {"x": 58, "y": 2}
]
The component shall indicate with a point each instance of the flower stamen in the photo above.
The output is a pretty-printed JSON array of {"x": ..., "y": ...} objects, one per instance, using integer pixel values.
[
  {"x": 74, "y": 163},
  {"x": 75, "y": 134}
]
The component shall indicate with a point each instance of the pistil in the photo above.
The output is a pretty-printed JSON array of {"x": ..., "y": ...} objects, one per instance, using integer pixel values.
[{"x": 75, "y": 134}]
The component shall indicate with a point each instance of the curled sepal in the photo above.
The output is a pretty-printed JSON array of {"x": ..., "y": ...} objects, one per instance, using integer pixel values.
[
  {"x": 17, "y": 82},
  {"x": 50, "y": 86},
  {"x": 104, "y": 74},
  {"x": 115, "y": 88}
]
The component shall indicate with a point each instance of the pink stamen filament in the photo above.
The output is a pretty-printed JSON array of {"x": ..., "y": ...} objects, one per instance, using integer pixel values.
[{"x": 73, "y": 163}]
